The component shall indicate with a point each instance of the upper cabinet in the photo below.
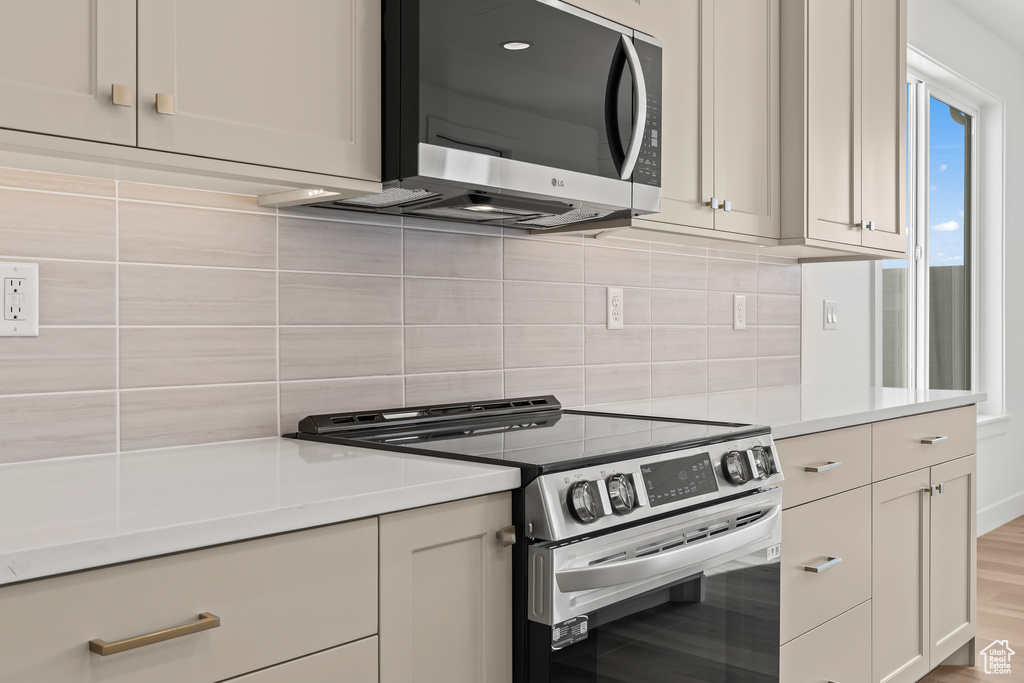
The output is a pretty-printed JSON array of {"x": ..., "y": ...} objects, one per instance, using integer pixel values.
[
  {"x": 721, "y": 82},
  {"x": 69, "y": 72},
  {"x": 843, "y": 124},
  {"x": 277, "y": 84}
]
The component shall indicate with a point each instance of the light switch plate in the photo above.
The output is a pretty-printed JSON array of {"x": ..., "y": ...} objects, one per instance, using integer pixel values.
[
  {"x": 831, "y": 315},
  {"x": 20, "y": 287}
]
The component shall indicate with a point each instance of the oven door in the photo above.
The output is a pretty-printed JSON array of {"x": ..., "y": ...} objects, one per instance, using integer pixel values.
[{"x": 692, "y": 598}]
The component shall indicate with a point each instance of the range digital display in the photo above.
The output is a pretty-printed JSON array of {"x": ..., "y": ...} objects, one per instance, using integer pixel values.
[{"x": 679, "y": 479}]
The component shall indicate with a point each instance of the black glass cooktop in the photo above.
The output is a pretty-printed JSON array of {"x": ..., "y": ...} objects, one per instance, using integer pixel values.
[{"x": 546, "y": 439}]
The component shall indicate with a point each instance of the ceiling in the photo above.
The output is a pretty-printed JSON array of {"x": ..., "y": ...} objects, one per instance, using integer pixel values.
[{"x": 1004, "y": 18}]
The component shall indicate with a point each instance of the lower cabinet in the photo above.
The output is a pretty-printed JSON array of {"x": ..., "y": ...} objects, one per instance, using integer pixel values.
[
  {"x": 446, "y": 593},
  {"x": 924, "y": 555},
  {"x": 352, "y": 663},
  {"x": 835, "y": 651}
]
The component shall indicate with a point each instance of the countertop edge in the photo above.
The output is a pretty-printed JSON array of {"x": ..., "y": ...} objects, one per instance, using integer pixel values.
[
  {"x": 48, "y": 562},
  {"x": 829, "y": 423}
]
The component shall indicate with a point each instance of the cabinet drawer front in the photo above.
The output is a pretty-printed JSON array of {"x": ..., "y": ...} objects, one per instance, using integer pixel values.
[
  {"x": 897, "y": 446},
  {"x": 352, "y": 663},
  {"x": 839, "y": 650},
  {"x": 835, "y": 527},
  {"x": 842, "y": 456},
  {"x": 277, "y": 598}
]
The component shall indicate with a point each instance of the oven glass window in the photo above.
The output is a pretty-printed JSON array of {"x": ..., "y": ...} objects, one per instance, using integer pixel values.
[
  {"x": 543, "y": 103},
  {"x": 717, "y": 627}
]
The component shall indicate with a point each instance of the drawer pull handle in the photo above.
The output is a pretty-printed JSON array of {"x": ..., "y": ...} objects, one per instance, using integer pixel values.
[
  {"x": 103, "y": 648},
  {"x": 507, "y": 536},
  {"x": 935, "y": 489},
  {"x": 934, "y": 440},
  {"x": 824, "y": 468},
  {"x": 165, "y": 104},
  {"x": 817, "y": 569}
]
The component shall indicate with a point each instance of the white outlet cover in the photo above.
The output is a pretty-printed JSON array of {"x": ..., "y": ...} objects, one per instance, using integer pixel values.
[
  {"x": 616, "y": 308},
  {"x": 739, "y": 312},
  {"x": 24, "y": 297}
]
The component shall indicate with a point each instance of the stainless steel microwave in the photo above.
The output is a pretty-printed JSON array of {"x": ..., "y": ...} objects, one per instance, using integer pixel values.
[{"x": 524, "y": 113}]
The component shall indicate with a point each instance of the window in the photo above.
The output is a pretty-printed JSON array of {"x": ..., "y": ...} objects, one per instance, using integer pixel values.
[{"x": 928, "y": 299}]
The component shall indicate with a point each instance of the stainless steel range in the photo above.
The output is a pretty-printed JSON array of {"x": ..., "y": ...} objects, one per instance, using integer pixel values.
[{"x": 652, "y": 545}]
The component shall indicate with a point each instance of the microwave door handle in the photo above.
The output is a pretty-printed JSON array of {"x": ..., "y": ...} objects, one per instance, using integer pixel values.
[
  {"x": 638, "y": 569},
  {"x": 639, "y": 108}
]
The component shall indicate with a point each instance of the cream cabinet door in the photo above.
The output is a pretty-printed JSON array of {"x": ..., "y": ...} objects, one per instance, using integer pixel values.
[
  {"x": 446, "y": 593},
  {"x": 286, "y": 83},
  {"x": 833, "y": 119},
  {"x": 900, "y": 544},
  {"x": 744, "y": 88},
  {"x": 60, "y": 63},
  {"x": 953, "y": 557},
  {"x": 884, "y": 122}
]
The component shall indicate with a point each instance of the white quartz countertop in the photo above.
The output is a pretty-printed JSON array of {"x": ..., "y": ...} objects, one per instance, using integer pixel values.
[{"x": 70, "y": 514}]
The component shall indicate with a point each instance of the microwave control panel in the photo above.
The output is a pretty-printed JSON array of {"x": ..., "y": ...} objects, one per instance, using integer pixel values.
[{"x": 648, "y": 164}]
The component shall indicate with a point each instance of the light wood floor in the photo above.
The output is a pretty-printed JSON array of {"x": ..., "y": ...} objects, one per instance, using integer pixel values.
[{"x": 1000, "y": 604}]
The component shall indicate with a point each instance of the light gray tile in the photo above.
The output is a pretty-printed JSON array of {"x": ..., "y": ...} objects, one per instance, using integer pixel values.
[
  {"x": 679, "y": 343},
  {"x": 678, "y": 307},
  {"x": 676, "y": 271},
  {"x": 679, "y": 379},
  {"x": 693, "y": 407},
  {"x": 732, "y": 276},
  {"x": 76, "y": 293},
  {"x": 613, "y": 383},
  {"x": 778, "y": 341},
  {"x": 320, "y": 299},
  {"x": 59, "y": 359},
  {"x": 452, "y": 302},
  {"x": 339, "y": 247},
  {"x": 778, "y": 309},
  {"x": 452, "y": 349},
  {"x": 666, "y": 248},
  {"x": 452, "y": 387},
  {"x": 725, "y": 342},
  {"x": 533, "y": 303},
  {"x": 637, "y": 303},
  {"x": 543, "y": 261},
  {"x": 299, "y": 399},
  {"x": 162, "y": 356},
  {"x": 543, "y": 346},
  {"x": 730, "y": 375},
  {"x": 565, "y": 384},
  {"x": 336, "y": 352},
  {"x": 734, "y": 255},
  {"x": 616, "y": 267},
  {"x": 352, "y": 217},
  {"x": 776, "y": 279},
  {"x": 88, "y": 425},
  {"x": 421, "y": 223},
  {"x": 181, "y": 195},
  {"x": 171, "y": 295},
  {"x": 157, "y": 418},
  {"x": 521, "y": 233},
  {"x": 628, "y": 345},
  {"x": 778, "y": 372},
  {"x": 182, "y": 235},
  {"x": 34, "y": 224},
  {"x": 440, "y": 254},
  {"x": 720, "y": 308},
  {"x": 56, "y": 182}
]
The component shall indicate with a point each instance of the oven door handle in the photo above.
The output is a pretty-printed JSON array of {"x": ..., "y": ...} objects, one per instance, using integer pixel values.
[{"x": 638, "y": 569}]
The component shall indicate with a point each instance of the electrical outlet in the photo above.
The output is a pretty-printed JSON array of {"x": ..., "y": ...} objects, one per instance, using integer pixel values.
[
  {"x": 20, "y": 299},
  {"x": 831, "y": 320},
  {"x": 739, "y": 312},
  {"x": 616, "y": 308}
]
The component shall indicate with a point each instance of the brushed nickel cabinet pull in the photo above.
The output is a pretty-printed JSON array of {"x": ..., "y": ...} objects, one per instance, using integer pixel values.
[
  {"x": 935, "y": 489},
  {"x": 507, "y": 536},
  {"x": 934, "y": 440},
  {"x": 122, "y": 95},
  {"x": 165, "y": 104},
  {"x": 819, "y": 568},
  {"x": 103, "y": 648},
  {"x": 824, "y": 468}
]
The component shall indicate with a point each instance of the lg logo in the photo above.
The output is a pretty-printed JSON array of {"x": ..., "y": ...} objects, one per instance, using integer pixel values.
[{"x": 555, "y": 182}]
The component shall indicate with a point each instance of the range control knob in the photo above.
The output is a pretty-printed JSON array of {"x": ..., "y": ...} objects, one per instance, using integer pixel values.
[
  {"x": 583, "y": 501},
  {"x": 764, "y": 462},
  {"x": 621, "y": 493},
  {"x": 734, "y": 467}
]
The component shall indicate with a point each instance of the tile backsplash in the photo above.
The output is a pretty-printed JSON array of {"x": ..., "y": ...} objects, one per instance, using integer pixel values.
[{"x": 172, "y": 317}]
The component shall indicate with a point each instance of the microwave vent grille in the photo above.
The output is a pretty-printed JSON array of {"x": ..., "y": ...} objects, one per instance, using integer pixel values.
[
  {"x": 574, "y": 216},
  {"x": 394, "y": 196}
]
